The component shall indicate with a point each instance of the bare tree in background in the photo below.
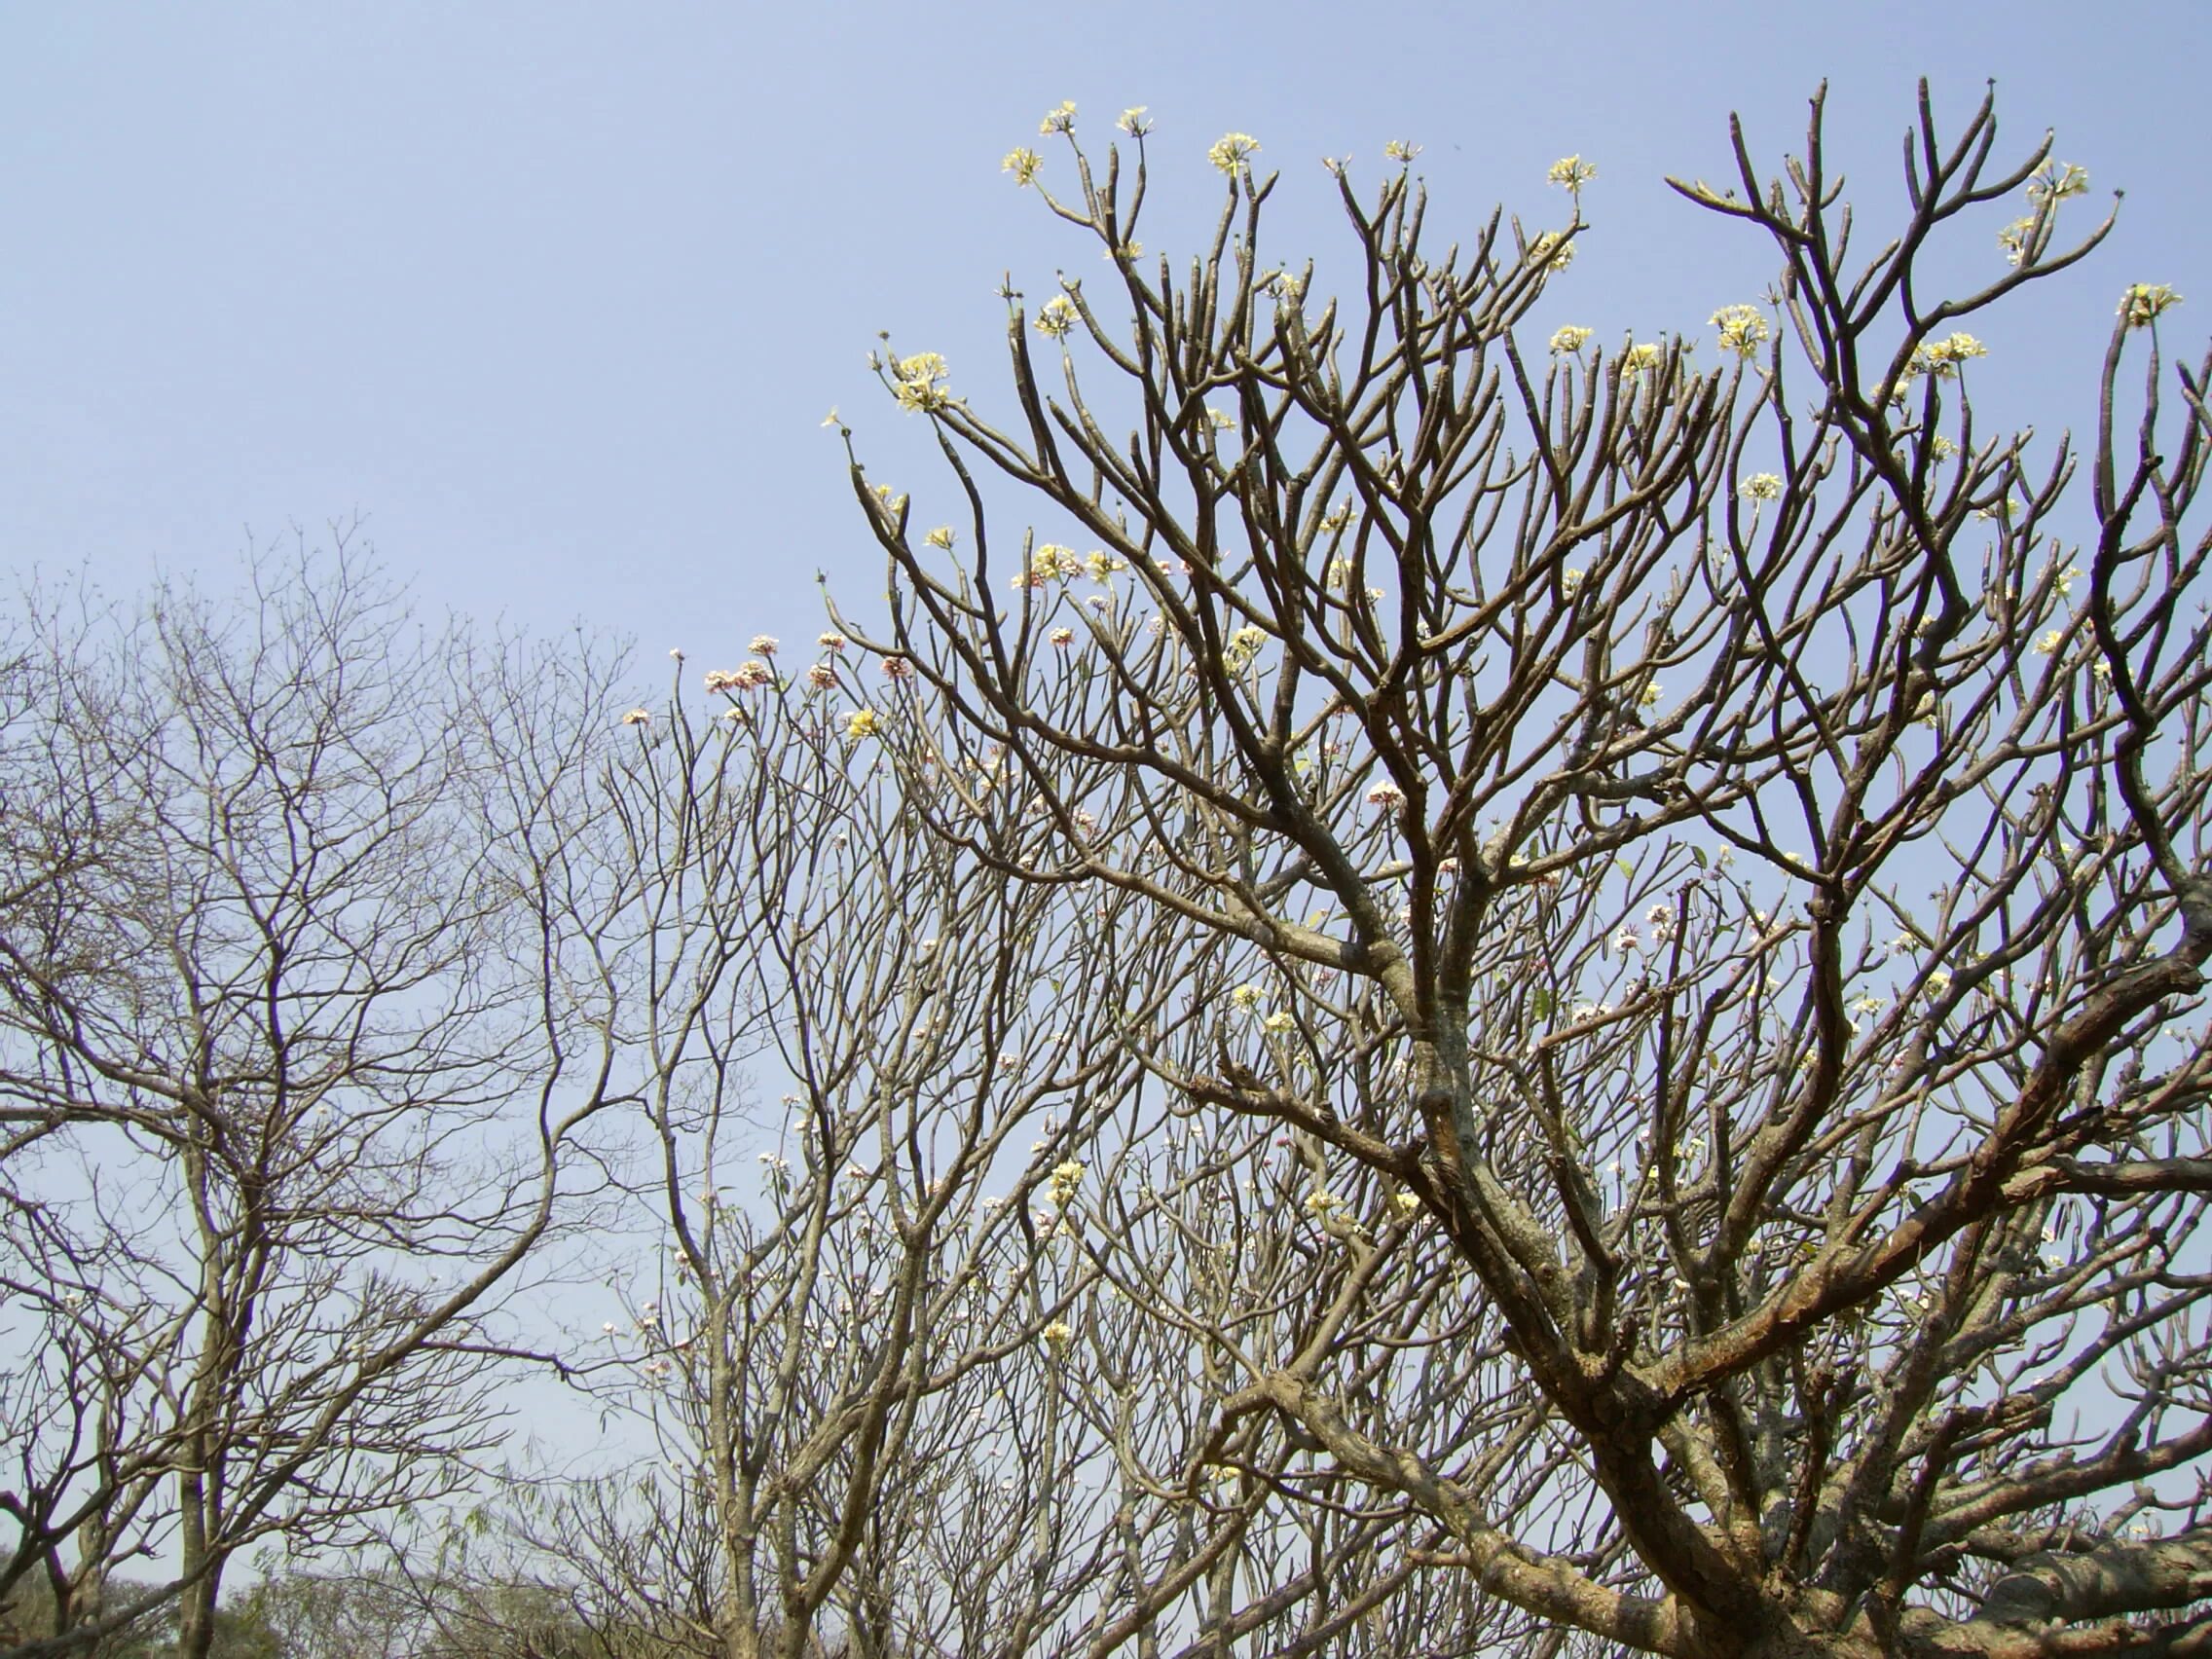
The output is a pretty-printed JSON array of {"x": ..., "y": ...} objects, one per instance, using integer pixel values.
[
  {"x": 285, "y": 1084},
  {"x": 1706, "y": 883}
]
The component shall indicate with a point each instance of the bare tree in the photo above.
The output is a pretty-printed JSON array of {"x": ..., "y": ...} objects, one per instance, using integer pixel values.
[
  {"x": 842, "y": 1273},
  {"x": 904, "y": 1394},
  {"x": 285, "y": 1083},
  {"x": 1706, "y": 885}
]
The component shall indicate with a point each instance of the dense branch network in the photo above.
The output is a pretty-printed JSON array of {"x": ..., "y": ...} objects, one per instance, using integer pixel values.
[{"x": 1542, "y": 761}]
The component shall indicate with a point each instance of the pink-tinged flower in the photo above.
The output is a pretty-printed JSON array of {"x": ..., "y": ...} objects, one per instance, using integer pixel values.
[
  {"x": 832, "y": 641},
  {"x": 821, "y": 676},
  {"x": 752, "y": 672},
  {"x": 763, "y": 645},
  {"x": 898, "y": 668},
  {"x": 1386, "y": 794},
  {"x": 722, "y": 680},
  {"x": 1061, "y": 637},
  {"x": 638, "y": 718}
]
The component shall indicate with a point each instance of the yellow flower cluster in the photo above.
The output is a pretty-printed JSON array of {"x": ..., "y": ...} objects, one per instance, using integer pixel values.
[
  {"x": 1743, "y": 329},
  {"x": 2054, "y": 181},
  {"x": 1571, "y": 339},
  {"x": 1232, "y": 152},
  {"x": 1760, "y": 487},
  {"x": 1055, "y": 316},
  {"x": 1242, "y": 648},
  {"x": 1572, "y": 172},
  {"x": 2142, "y": 303},
  {"x": 1061, "y": 119},
  {"x": 859, "y": 723},
  {"x": 1941, "y": 358},
  {"x": 1400, "y": 151},
  {"x": 1552, "y": 251},
  {"x": 1066, "y": 1179},
  {"x": 942, "y": 537},
  {"x": 1023, "y": 164},
  {"x": 2051, "y": 184},
  {"x": 1638, "y": 359},
  {"x": 1134, "y": 122},
  {"x": 919, "y": 382},
  {"x": 1051, "y": 561}
]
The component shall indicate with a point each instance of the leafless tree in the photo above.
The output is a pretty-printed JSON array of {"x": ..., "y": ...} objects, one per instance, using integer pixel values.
[
  {"x": 1705, "y": 886},
  {"x": 845, "y": 1273},
  {"x": 906, "y": 1396},
  {"x": 286, "y": 1087}
]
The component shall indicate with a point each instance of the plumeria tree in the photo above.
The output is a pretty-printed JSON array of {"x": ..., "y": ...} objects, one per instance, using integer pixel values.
[
  {"x": 1658, "y": 907},
  {"x": 845, "y": 1271},
  {"x": 903, "y": 1394},
  {"x": 1432, "y": 991}
]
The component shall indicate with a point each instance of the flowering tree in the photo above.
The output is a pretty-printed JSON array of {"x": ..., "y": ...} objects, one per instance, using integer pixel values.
[
  {"x": 814, "y": 1346},
  {"x": 900, "y": 1402},
  {"x": 286, "y": 1091},
  {"x": 1545, "y": 998},
  {"x": 1659, "y": 910}
]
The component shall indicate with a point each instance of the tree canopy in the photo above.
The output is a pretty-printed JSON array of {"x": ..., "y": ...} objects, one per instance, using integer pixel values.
[{"x": 1427, "y": 991}]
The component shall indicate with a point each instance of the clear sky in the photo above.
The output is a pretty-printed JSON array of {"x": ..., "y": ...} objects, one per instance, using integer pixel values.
[{"x": 557, "y": 295}]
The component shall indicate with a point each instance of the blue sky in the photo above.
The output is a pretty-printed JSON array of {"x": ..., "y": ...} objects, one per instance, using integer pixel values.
[{"x": 557, "y": 296}]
